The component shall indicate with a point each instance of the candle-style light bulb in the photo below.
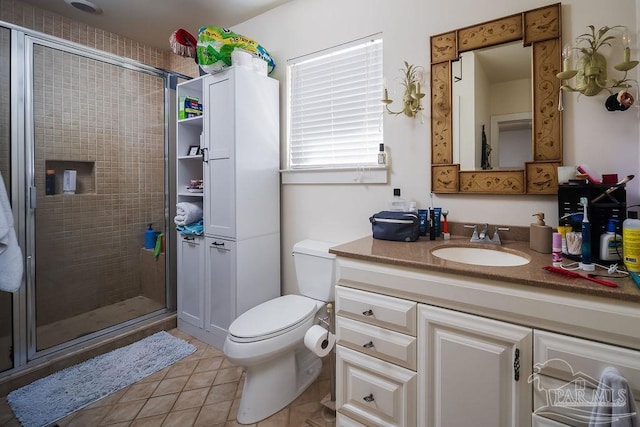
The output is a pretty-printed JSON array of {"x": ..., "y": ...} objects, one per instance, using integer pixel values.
[
  {"x": 566, "y": 57},
  {"x": 626, "y": 43}
]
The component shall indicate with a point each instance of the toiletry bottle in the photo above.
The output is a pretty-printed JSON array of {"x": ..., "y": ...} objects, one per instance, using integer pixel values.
[
  {"x": 540, "y": 235},
  {"x": 556, "y": 250},
  {"x": 631, "y": 242},
  {"x": 563, "y": 230},
  {"x": 437, "y": 218},
  {"x": 432, "y": 224},
  {"x": 611, "y": 242},
  {"x": 397, "y": 203},
  {"x": 382, "y": 156},
  {"x": 149, "y": 238},
  {"x": 50, "y": 182}
]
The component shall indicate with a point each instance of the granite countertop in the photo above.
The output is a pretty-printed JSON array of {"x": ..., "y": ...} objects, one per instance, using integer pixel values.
[{"x": 418, "y": 255}]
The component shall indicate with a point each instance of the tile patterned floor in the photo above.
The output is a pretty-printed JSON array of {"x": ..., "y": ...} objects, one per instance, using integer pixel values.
[{"x": 201, "y": 390}]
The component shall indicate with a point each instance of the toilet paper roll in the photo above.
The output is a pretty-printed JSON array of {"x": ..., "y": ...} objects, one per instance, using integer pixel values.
[{"x": 319, "y": 340}]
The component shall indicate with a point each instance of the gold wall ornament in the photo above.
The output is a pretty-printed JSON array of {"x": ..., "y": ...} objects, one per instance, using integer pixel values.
[
  {"x": 412, "y": 94},
  {"x": 591, "y": 68}
]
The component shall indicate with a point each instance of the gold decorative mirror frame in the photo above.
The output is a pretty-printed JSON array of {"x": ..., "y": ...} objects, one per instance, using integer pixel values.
[{"x": 539, "y": 28}]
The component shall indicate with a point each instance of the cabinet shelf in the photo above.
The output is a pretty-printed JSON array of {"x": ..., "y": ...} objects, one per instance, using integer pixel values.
[
  {"x": 191, "y": 121},
  {"x": 186, "y": 193}
]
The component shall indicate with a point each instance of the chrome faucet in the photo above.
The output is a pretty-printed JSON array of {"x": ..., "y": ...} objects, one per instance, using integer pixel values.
[
  {"x": 483, "y": 233},
  {"x": 483, "y": 237}
]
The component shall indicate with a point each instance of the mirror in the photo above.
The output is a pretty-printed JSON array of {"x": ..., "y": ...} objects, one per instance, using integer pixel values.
[
  {"x": 520, "y": 148},
  {"x": 492, "y": 107}
]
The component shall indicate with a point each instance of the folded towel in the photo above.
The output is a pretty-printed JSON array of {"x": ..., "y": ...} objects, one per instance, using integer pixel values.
[
  {"x": 193, "y": 229},
  {"x": 617, "y": 407},
  {"x": 188, "y": 213},
  {"x": 11, "y": 268}
]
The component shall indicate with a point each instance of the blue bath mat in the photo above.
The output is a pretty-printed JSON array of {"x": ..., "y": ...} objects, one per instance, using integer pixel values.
[{"x": 51, "y": 398}]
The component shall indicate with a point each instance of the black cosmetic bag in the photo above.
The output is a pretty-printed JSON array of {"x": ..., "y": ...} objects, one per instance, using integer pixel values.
[{"x": 392, "y": 225}]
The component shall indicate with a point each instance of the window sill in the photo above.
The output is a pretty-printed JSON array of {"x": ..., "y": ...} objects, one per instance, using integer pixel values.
[{"x": 364, "y": 175}]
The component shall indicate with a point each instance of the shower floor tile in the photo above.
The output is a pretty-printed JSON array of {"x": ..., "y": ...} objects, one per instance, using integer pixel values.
[{"x": 95, "y": 320}]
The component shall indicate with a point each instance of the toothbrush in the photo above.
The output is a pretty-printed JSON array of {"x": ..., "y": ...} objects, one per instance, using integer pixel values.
[{"x": 586, "y": 235}]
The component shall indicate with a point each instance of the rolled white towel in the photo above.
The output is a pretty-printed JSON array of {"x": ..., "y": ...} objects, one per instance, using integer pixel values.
[{"x": 187, "y": 213}]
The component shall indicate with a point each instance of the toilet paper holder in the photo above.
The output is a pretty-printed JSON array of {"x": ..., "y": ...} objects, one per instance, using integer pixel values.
[{"x": 326, "y": 321}]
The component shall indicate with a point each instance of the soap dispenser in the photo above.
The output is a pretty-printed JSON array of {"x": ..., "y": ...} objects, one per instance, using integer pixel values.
[
  {"x": 540, "y": 235},
  {"x": 149, "y": 237}
]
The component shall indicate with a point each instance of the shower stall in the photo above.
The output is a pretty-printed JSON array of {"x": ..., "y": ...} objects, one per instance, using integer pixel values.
[{"x": 84, "y": 149}]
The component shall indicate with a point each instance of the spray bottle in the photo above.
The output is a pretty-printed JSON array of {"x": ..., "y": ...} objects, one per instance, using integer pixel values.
[{"x": 586, "y": 239}]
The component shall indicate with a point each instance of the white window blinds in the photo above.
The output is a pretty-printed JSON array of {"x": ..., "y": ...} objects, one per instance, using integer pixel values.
[{"x": 335, "y": 113}]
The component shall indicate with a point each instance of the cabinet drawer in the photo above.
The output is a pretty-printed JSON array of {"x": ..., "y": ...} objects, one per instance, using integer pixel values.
[
  {"x": 381, "y": 310},
  {"x": 374, "y": 392},
  {"x": 382, "y": 343},
  {"x": 564, "y": 365}
]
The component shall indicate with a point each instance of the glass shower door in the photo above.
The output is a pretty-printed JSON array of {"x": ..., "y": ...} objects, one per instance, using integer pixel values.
[
  {"x": 6, "y": 298},
  {"x": 99, "y": 176}
]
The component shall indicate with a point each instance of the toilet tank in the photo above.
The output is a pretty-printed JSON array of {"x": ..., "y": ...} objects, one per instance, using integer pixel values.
[{"x": 315, "y": 269}]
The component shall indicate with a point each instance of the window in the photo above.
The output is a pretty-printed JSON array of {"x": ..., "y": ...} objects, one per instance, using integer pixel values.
[{"x": 334, "y": 108}]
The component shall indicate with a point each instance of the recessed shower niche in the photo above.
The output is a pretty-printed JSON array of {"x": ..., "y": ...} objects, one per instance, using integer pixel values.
[{"x": 85, "y": 176}]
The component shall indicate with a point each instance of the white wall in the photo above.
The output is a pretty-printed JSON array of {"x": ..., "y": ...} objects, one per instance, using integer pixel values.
[{"x": 606, "y": 141}]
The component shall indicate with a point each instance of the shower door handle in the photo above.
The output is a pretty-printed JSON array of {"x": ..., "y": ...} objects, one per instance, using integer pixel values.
[{"x": 32, "y": 197}]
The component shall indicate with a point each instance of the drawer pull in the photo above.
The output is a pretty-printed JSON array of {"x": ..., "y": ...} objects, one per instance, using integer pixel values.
[
  {"x": 367, "y": 313},
  {"x": 516, "y": 365},
  {"x": 368, "y": 345},
  {"x": 369, "y": 398},
  {"x": 217, "y": 244}
]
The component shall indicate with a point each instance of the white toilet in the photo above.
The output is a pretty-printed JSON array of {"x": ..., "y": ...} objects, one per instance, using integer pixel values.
[{"x": 268, "y": 339}]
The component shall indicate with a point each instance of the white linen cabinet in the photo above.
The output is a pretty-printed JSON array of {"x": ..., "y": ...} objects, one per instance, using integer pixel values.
[{"x": 241, "y": 198}]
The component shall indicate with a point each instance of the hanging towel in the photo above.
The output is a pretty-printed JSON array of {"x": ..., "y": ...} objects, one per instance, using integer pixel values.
[
  {"x": 188, "y": 213},
  {"x": 617, "y": 408},
  {"x": 11, "y": 268}
]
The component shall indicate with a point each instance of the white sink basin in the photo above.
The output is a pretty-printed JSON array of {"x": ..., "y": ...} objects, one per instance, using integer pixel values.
[{"x": 480, "y": 256}]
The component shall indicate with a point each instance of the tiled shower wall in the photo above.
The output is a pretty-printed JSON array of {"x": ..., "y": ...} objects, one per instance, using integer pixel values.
[{"x": 88, "y": 244}]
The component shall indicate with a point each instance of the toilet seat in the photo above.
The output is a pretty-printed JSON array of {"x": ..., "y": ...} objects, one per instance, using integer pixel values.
[{"x": 272, "y": 318}]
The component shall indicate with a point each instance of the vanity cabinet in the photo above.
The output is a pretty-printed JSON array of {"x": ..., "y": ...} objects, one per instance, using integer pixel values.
[
  {"x": 487, "y": 353},
  {"x": 472, "y": 371},
  {"x": 467, "y": 369},
  {"x": 237, "y": 140}
]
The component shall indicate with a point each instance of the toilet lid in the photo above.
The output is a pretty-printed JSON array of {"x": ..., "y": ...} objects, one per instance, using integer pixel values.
[{"x": 272, "y": 317}]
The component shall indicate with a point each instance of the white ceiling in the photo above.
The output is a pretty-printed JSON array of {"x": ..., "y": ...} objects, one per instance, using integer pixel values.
[{"x": 153, "y": 21}]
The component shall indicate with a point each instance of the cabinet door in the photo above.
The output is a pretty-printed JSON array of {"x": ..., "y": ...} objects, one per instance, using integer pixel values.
[
  {"x": 219, "y": 140},
  {"x": 472, "y": 371},
  {"x": 220, "y": 287},
  {"x": 190, "y": 280}
]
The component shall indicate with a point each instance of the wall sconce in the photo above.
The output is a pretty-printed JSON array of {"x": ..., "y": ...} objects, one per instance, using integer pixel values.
[
  {"x": 412, "y": 96},
  {"x": 591, "y": 68}
]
